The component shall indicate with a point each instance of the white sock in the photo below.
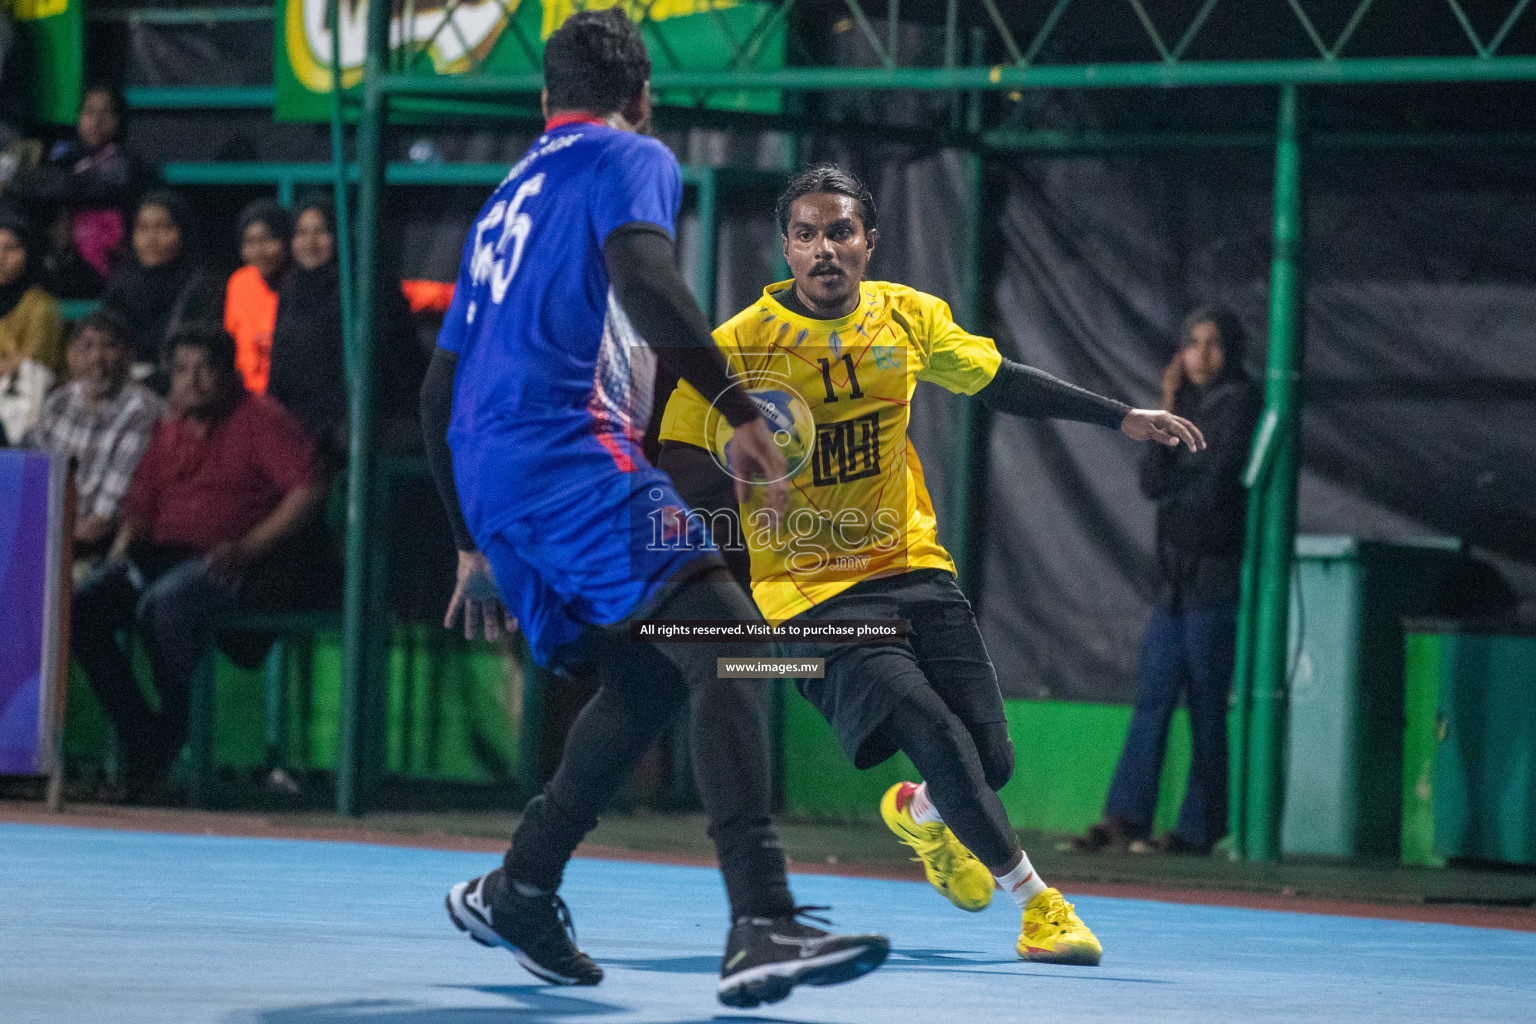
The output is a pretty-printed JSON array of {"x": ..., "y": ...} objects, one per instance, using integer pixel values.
[
  {"x": 922, "y": 809},
  {"x": 1023, "y": 883}
]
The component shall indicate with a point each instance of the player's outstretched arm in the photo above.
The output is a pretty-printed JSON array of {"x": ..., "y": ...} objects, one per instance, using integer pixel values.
[
  {"x": 1020, "y": 390},
  {"x": 474, "y": 592}
]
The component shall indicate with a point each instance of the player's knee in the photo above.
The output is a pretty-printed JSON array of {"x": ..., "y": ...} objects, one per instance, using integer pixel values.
[
  {"x": 732, "y": 700},
  {"x": 947, "y": 739}
]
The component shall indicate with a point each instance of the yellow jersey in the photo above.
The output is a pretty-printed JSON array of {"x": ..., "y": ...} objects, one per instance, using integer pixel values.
[{"x": 858, "y": 509}]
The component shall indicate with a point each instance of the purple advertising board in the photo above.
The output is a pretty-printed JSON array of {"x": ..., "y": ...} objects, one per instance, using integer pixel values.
[{"x": 31, "y": 513}]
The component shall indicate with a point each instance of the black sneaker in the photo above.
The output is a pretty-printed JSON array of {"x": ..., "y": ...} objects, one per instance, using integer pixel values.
[
  {"x": 765, "y": 957},
  {"x": 537, "y": 930}
]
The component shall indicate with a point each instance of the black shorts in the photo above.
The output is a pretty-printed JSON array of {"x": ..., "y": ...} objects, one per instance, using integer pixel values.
[{"x": 864, "y": 681}]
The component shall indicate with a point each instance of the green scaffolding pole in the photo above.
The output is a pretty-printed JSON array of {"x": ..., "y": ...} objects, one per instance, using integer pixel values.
[
  {"x": 1274, "y": 473},
  {"x": 354, "y": 772},
  {"x": 709, "y": 236},
  {"x": 972, "y": 422},
  {"x": 1242, "y": 666},
  {"x": 340, "y": 173}
]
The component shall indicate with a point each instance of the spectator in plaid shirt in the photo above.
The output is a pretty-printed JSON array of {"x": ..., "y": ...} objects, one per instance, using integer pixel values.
[{"x": 102, "y": 420}]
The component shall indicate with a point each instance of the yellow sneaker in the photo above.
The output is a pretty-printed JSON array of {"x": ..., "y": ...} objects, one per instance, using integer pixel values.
[
  {"x": 951, "y": 868},
  {"x": 1054, "y": 934}
]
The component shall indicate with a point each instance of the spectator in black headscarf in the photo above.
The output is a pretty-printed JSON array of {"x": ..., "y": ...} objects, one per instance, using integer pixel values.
[
  {"x": 308, "y": 374},
  {"x": 30, "y": 326},
  {"x": 161, "y": 286},
  {"x": 1190, "y": 643},
  {"x": 31, "y": 333},
  {"x": 308, "y": 366}
]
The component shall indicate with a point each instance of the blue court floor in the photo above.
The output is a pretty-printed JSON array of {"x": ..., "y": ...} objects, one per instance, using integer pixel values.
[{"x": 127, "y": 927}]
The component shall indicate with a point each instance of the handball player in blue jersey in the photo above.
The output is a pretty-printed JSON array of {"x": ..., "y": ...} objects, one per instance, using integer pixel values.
[{"x": 533, "y": 407}]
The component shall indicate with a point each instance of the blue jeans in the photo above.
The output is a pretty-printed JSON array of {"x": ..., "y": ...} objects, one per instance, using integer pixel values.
[
  {"x": 172, "y": 613},
  {"x": 1189, "y": 653}
]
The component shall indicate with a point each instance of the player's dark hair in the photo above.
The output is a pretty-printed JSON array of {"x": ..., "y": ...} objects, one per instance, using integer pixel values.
[
  {"x": 595, "y": 62},
  {"x": 109, "y": 322},
  {"x": 825, "y": 178},
  {"x": 211, "y": 337},
  {"x": 1234, "y": 338}
]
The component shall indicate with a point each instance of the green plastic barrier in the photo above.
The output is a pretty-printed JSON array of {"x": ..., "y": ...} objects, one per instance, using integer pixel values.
[
  {"x": 1344, "y": 749},
  {"x": 1469, "y": 749}
]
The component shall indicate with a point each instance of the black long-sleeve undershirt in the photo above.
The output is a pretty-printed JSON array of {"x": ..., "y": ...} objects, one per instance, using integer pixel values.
[
  {"x": 436, "y": 411},
  {"x": 643, "y": 274},
  {"x": 1021, "y": 390},
  {"x": 644, "y": 277}
]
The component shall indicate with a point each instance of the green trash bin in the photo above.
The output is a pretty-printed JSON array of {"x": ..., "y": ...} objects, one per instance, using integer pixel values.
[
  {"x": 1343, "y": 795},
  {"x": 1469, "y": 751}
]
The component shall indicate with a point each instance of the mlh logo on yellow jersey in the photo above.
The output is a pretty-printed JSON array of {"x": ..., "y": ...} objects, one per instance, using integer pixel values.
[{"x": 846, "y": 450}]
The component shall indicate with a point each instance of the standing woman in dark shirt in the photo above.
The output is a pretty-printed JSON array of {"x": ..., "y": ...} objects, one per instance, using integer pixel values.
[{"x": 1190, "y": 642}]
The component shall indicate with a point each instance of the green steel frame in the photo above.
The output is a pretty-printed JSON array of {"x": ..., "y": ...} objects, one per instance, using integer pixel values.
[{"x": 1260, "y": 691}]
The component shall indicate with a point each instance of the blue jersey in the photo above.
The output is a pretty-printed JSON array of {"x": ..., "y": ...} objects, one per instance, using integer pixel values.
[
  {"x": 545, "y": 353},
  {"x": 553, "y": 388}
]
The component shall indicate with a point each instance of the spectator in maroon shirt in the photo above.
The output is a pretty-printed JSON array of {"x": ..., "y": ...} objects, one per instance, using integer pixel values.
[{"x": 228, "y": 479}]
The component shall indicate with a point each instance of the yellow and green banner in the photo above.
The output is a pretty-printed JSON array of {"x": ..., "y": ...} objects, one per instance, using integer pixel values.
[
  {"x": 53, "y": 32},
  {"x": 506, "y": 37}
]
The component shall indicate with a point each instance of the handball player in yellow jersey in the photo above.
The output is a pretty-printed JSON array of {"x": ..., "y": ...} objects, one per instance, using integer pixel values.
[{"x": 858, "y": 539}]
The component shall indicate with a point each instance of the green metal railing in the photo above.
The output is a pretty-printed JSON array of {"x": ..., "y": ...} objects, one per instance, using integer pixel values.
[
  {"x": 200, "y": 97},
  {"x": 182, "y": 15},
  {"x": 1005, "y": 78}
]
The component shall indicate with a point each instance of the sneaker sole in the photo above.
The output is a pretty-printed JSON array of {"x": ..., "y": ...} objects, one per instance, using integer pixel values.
[
  {"x": 1071, "y": 956},
  {"x": 772, "y": 982},
  {"x": 467, "y": 920}
]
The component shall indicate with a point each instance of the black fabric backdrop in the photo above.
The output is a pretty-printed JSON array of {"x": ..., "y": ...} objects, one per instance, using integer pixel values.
[{"x": 1420, "y": 363}]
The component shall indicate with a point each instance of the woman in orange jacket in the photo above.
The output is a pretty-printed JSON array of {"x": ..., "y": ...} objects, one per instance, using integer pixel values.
[{"x": 250, "y": 300}]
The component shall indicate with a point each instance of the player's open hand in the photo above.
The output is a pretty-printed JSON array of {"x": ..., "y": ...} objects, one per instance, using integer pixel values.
[
  {"x": 476, "y": 595},
  {"x": 1162, "y": 427},
  {"x": 754, "y": 455}
]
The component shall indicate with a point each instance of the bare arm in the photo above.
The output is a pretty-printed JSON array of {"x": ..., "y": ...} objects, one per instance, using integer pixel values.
[
  {"x": 92, "y": 529},
  {"x": 131, "y": 530}
]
